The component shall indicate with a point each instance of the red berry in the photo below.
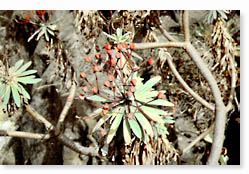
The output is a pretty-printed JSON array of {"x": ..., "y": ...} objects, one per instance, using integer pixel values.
[
  {"x": 85, "y": 89},
  {"x": 129, "y": 115},
  {"x": 151, "y": 61},
  {"x": 106, "y": 106},
  {"x": 175, "y": 102},
  {"x": 173, "y": 110},
  {"x": 95, "y": 90},
  {"x": 128, "y": 94},
  {"x": 160, "y": 95},
  {"x": 133, "y": 82},
  {"x": 119, "y": 47},
  {"x": 83, "y": 75},
  {"x": 118, "y": 55},
  {"x": 109, "y": 52},
  {"x": 124, "y": 45},
  {"x": 88, "y": 59},
  {"x": 111, "y": 78},
  {"x": 132, "y": 46},
  {"x": 98, "y": 56},
  {"x": 107, "y": 46},
  {"x": 107, "y": 84},
  {"x": 103, "y": 132},
  {"x": 113, "y": 62}
]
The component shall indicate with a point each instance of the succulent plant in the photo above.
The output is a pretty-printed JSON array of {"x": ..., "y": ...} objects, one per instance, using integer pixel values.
[
  {"x": 10, "y": 83},
  {"x": 127, "y": 101}
]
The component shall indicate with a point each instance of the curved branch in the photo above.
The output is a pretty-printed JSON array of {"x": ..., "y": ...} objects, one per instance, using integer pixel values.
[
  {"x": 21, "y": 134},
  {"x": 185, "y": 85}
]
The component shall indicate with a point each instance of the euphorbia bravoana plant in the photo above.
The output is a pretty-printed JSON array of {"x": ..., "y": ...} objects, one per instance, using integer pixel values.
[{"x": 127, "y": 101}]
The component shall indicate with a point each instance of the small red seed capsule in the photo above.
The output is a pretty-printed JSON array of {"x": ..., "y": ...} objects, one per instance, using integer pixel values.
[
  {"x": 103, "y": 132},
  {"x": 107, "y": 46},
  {"x": 113, "y": 62},
  {"x": 128, "y": 94},
  {"x": 160, "y": 95},
  {"x": 119, "y": 47},
  {"x": 106, "y": 106},
  {"x": 88, "y": 59},
  {"x": 83, "y": 75},
  {"x": 151, "y": 61},
  {"x": 133, "y": 82},
  {"x": 124, "y": 45},
  {"x": 107, "y": 84},
  {"x": 132, "y": 46},
  {"x": 98, "y": 56},
  {"x": 109, "y": 52},
  {"x": 95, "y": 90},
  {"x": 96, "y": 68},
  {"x": 129, "y": 115}
]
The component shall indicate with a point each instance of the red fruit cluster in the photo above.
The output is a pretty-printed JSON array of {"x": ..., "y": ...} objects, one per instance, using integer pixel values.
[{"x": 132, "y": 46}]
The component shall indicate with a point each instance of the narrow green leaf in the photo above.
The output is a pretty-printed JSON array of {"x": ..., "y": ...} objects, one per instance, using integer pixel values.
[
  {"x": 110, "y": 36},
  {"x": 24, "y": 92},
  {"x": 23, "y": 68},
  {"x": 25, "y": 73},
  {"x": 144, "y": 123},
  {"x": 50, "y": 31},
  {"x": 16, "y": 96},
  {"x": 2, "y": 90},
  {"x": 114, "y": 128},
  {"x": 43, "y": 30},
  {"x": 31, "y": 37},
  {"x": 126, "y": 131},
  {"x": 46, "y": 36},
  {"x": 17, "y": 65},
  {"x": 153, "y": 114},
  {"x": 148, "y": 85},
  {"x": 135, "y": 127},
  {"x": 161, "y": 103},
  {"x": 101, "y": 121},
  {"x": 52, "y": 27},
  {"x": 223, "y": 15},
  {"x": 119, "y": 32},
  {"x": 28, "y": 79},
  {"x": 169, "y": 121},
  {"x": 7, "y": 95},
  {"x": 97, "y": 98}
]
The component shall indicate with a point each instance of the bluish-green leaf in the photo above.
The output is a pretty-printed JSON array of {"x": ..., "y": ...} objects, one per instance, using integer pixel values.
[
  {"x": 97, "y": 98},
  {"x": 24, "y": 92},
  {"x": 28, "y": 79},
  {"x": 17, "y": 65},
  {"x": 114, "y": 128},
  {"x": 2, "y": 90},
  {"x": 148, "y": 85},
  {"x": 25, "y": 73},
  {"x": 23, "y": 68},
  {"x": 153, "y": 113},
  {"x": 161, "y": 103},
  {"x": 126, "y": 131},
  {"x": 101, "y": 121},
  {"x": 16, "y": 96},
  {"x": 135, "y": 127},
  {"x": 7, "y": 95},
  {"x": 144, "y": 123},
  {"x": 35, "y": 33}
]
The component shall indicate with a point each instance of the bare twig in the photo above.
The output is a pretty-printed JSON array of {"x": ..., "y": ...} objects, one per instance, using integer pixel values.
[
  {"x": 197, "y": 139},
  {"x": 185, "y": 85},
  {"x": 166, "y": 34},
  {"x": 185, "y": 22},
  {"x": 21, "y": 134},
  {"x": 66, "y": 107},
  {"x": 139, "y": 46}
]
